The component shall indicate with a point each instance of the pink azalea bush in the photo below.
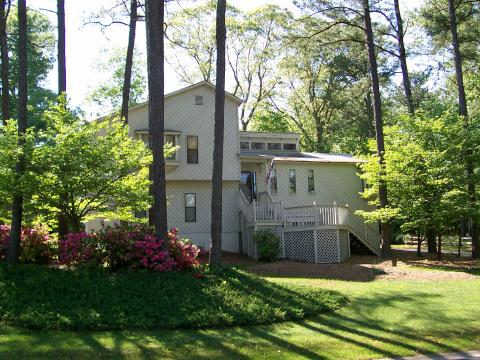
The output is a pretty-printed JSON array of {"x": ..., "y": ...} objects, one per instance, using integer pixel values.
[
  {"x": 78, "y": 249},
  {"x": 126, "y": 245},
  {"x": 35, "y": 244}
]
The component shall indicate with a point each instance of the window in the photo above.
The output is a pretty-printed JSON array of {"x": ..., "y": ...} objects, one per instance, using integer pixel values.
[
  {"x": 290, "y": 147},
  {"x": 143, "y": 137},
  {"x": 273, "y": 182},
  {"x": 244, "y": 145},
  {"x": 292, "y": 181},
  {"x": 258, "y": 145},
  {"x": 192, "y": 149},
  {"x": 198, "y": 100},
  {"x": 170, "y": 139},
  {"x": 141, "y": 214},
  {"x": 274, "y": 146},
  {"x": 311, "y": 181},
  {"x": 190, "y": 207}
]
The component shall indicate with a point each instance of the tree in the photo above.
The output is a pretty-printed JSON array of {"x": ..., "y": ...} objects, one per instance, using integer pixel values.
[
  {"x": 41, "y": 57},
  {"x": 377, "y": 109},
  {"x": 108, "y": 95},
  {"x": 462, "y": 108},
  {"x": 61, "y": 59},
  {"x": 4, "y": 12},
  {"x": 13, "y": 251},
  {"x": 154, "y": 16},
  {"x": 88, "y": 169},
  {"x": 128, "y": 61},
  {"x": 217, "y": 171}
]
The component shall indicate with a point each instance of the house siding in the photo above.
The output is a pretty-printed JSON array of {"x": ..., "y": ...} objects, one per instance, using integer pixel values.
[
  {"x": 333, "y": 183},
  {"x": 183, "y": 115}
]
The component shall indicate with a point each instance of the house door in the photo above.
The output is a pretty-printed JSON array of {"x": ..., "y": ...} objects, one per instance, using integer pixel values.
[{"x": 248, "y": 184}]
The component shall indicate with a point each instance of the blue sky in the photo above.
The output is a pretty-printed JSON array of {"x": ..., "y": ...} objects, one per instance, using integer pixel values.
[{"x": 86, "y": 42}]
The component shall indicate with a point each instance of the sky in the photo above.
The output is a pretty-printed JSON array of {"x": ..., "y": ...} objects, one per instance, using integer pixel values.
[{"x": 86, "y": 42}]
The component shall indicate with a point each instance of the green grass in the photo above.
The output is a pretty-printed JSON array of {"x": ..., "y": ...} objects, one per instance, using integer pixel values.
[
  {"x": 40, "y": 297},
  {"x": 383, "y": 318}
]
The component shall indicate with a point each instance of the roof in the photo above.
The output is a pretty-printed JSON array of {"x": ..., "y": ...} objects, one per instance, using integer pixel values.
[
  {"x": 191, "y": 87},
  {"x": 301, "y": 157},
  {"x": 268, "y": 133},
  {"x": 145, "y": 130}
]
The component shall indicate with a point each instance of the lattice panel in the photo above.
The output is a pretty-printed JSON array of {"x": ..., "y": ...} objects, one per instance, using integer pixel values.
[
  {"x": 344, "y": 245},
  {"x": 300, "y": 246},
  {"x": 327, "y": 246},
  {"x": 277, "y": 230}
]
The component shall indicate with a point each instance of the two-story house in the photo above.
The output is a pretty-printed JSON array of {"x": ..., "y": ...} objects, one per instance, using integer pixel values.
[{"x": 307, "y": 199}]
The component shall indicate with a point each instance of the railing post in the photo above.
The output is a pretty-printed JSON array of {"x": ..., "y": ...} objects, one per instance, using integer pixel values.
[
  {"x": 336, "y": 212},
  {"x": 254, "y": 211}
]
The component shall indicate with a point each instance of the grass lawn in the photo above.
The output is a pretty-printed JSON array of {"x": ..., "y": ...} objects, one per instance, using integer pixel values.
[{"x": 384, "y": 318}]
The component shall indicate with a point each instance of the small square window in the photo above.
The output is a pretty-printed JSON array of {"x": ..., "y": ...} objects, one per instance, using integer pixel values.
[
  {"x": 258, "y": 145},
  {"x": 274, "y": 146},
  {"x": 244, "y": 145},
  {"x": 190, "y": 207},
  {"x": 290, "y": 147},
  {"x": 198, "y": 100}
]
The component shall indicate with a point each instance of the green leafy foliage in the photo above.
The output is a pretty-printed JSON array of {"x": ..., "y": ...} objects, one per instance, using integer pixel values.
[
  {"x": 98, "y": 300},
  {"x": 268, "y": 245}
]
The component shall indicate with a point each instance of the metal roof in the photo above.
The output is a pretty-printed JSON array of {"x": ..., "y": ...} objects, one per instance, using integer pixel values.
[{"x": 301, "y": 157}]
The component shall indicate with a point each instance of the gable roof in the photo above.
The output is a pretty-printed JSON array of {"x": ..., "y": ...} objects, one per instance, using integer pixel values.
[{"x": 191, "y": 87}]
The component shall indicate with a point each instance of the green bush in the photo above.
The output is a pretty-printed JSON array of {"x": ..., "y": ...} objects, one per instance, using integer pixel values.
[
  {"x": 268, "y": 245},
  {"x": 43, "y": 297}
]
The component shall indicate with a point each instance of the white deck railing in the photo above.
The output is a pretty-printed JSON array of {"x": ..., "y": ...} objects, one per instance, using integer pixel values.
[{"x": 310, "y": 216}]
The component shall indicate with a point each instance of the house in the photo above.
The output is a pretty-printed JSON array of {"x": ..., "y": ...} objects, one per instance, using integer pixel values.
[{"x": 307, "y": 199}]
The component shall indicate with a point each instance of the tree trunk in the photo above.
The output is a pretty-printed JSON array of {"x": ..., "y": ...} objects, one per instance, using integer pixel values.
[
  {"x": 62, "y": 70},
  {"x": 431, "y": 240},
  {"x": 4, "y": 10},
  {"x": 13, "y": 251},
  {"x": 462, "y": 105},
  {"x": 439, "y": 252},
  {"x": 127, "y": 77},
  {"x": 377, "y": 110},
  {"x": 154, "y": 16},
  {"x": 403, "y": 60},
  {"x": 216, "y": 213}
]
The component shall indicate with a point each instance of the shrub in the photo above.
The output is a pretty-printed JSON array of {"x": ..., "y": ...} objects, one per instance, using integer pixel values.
[
  {"x": 79, "y": 249},
  {"x": 268, "y": 245},
  {"x": 43, "y": 297},
  {"x": 35, "y": 244},
  {"x": 126, "y": 245},
  {"x": 182, "y": 251}
]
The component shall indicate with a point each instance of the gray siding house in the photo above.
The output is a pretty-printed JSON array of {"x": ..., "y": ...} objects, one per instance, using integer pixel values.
[{"x": 307, "y": 199}]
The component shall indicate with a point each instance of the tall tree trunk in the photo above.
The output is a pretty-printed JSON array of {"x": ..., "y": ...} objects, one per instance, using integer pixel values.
[
  {"x": 4, "y": 10},
  {"x": 431, "y": 234},
  {"x": 377, "y": 110},
  {"x": 154, "y": 16},
  {"x": 216, "y": 217},
  {"x": 462, "y": 107},
  {"x": 62, "y": 88},
  {"x": 403, "y": 60},
  {"x": 61, "y": 58},
  {"x": 127, "y": 77},
  {"x": 17, "y": 204}
]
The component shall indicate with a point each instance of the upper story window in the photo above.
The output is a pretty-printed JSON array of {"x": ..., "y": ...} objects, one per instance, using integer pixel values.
[
  {"x": 292, "y": 181},
  {"x": 274, "y": 146},
  {"x": 244, "y": 145},
  {"x": 198, "y": 100},
  {"x": 192, "y": 149},
  {"x": 257, "y": 145},
  {"x": 170, "y": 139},
  {"x": 289, "y": 146},
  {"x": 311, "y": 181}
]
